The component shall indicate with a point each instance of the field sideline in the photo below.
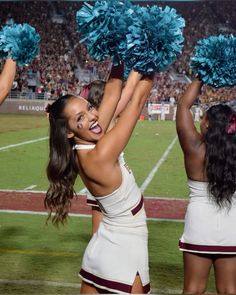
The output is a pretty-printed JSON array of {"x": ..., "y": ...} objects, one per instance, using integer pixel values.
[{"x": 22, "y": 201}]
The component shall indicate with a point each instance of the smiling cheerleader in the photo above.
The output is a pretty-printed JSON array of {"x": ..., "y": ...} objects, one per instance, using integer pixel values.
[{"x": 116, "y": 258}]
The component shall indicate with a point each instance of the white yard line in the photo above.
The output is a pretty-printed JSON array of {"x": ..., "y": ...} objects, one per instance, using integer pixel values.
[
  {"x": 84, "y": 191},
  {"x": 21, "y": 191},
  {"x": 22, "y": 143},
  {"x": 39, "y": 213},
  {"x": 77, "y": 215},
  {"x": 154, "y": 170},
  {"x": 30, "y": 187},
  {"x": 157, "y": 166}
]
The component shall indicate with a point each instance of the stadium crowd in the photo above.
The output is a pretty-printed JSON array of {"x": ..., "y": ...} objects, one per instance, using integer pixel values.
[{"x": 62, "y": 57}]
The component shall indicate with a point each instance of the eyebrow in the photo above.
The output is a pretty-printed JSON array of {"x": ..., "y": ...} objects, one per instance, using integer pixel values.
[{"x": 82, "y": 112}]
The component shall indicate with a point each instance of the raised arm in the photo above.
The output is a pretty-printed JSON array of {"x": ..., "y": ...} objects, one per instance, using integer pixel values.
[
  {"x": 111, "y": 97},
  {"x": 127, "y": 92},
  {"x": 6, "y": 78},
  {"x": 113, "y": 143},
  {"x": 189, "y": 137}
]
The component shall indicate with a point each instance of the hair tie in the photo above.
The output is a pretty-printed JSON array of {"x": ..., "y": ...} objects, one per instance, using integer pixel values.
[{"x": 232, "y": 126}]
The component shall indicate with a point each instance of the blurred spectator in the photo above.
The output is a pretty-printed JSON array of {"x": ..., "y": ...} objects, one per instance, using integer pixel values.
[{"x": 62, "y": 56}]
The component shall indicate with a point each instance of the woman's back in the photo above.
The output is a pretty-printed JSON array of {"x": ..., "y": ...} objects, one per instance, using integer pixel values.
[
  {"x": 210, "y": 155},
  {"x": 195, "y": 163}
]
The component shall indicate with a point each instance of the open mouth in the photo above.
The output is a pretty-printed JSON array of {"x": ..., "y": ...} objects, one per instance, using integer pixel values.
[{"x": 95, "y": 128}]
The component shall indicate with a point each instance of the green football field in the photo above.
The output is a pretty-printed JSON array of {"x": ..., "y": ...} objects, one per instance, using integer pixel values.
[
  {"x": 40, "y": 259},
  {"x": 23, "y": 165}
]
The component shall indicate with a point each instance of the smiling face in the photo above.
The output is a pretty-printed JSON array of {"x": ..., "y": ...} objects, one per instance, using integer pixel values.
[{"x": 82, "y": 121}]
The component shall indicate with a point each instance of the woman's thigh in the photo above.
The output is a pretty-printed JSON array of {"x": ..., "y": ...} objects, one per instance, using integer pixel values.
[
  {"x": 225, "y": 274},
  {"x": 196, "y": 272}
]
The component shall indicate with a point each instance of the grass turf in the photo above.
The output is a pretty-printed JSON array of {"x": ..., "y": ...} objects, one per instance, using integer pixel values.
[
  {"x": 31, "y": 250},
  {"x": 25, "y": 165}
]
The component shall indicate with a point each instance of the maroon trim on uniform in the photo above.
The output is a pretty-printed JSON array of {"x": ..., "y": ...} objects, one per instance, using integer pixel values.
[
  {"x": 207, "y": 248},
  {"x": 103, "y": 283},
  {"x": 146, "y": 288},
  {"x": 92, "y": 203},
  {"x": 136, "y": 209}
]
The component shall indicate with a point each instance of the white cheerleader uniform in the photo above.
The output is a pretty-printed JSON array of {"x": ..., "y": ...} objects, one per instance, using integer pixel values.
[
  {"x": 208, "y": 229},
  {"x": 118, "y": 251},
  {"x": 91, "y": 200}
]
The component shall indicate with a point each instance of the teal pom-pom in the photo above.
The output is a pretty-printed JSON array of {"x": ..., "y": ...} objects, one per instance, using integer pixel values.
[
  {"x": 103, "y": 28},
  {"x": 19, "y": 42},
  {"x": 214, "y": 60},
  {"x": 155, "y": 39}
]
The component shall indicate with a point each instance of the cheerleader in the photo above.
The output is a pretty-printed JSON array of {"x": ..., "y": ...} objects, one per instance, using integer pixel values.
[
  {"x": 209, "y": 237},
  {"x": 116, "y": 258},
  {"x": 95, "y": 95}
]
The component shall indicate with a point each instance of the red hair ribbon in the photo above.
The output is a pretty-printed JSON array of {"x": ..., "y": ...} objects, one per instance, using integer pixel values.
[{"x": 232, "y": 126}]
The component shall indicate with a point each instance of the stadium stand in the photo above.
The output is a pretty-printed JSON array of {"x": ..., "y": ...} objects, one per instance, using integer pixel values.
[{"x": 64, "y": 65}]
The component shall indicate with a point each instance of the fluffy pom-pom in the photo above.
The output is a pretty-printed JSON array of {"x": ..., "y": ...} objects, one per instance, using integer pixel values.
[
  {"x": 20, "y": 42},
  {"x": 214, "y": 60},
  {"x": 103, "y": 28},
  {"x": 154, "y": 39}
]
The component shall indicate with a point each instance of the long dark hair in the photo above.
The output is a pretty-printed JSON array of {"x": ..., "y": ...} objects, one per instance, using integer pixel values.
[
  {"x": 220, "y": 158},
  {"x": 62, "y": 169}
]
